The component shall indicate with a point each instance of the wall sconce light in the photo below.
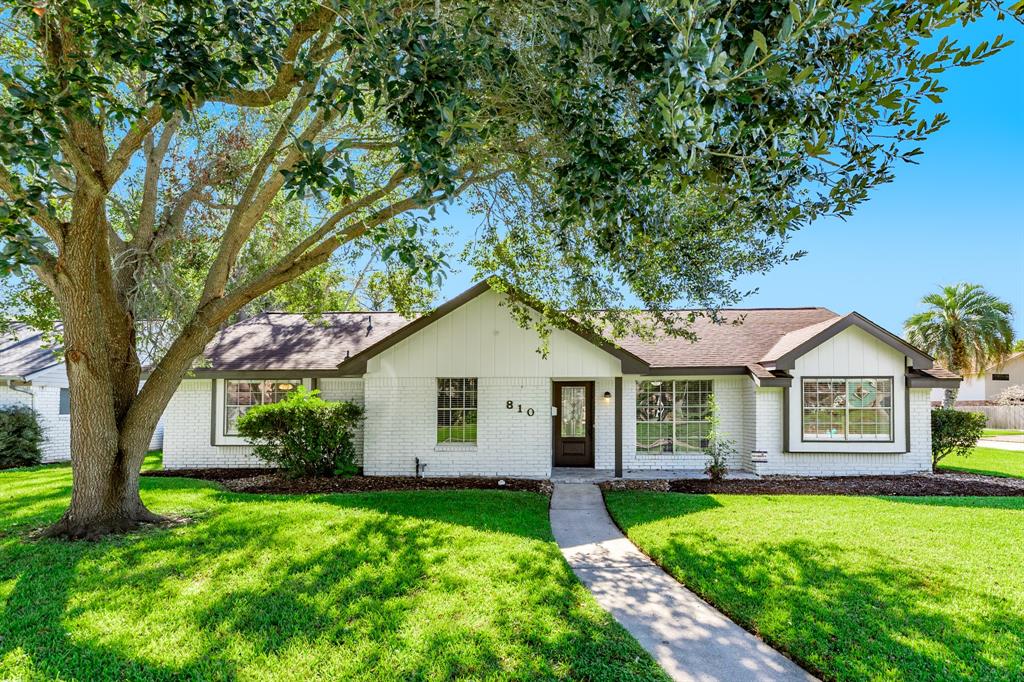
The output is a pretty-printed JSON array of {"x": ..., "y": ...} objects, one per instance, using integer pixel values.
[{"x": 607, "y": 396}]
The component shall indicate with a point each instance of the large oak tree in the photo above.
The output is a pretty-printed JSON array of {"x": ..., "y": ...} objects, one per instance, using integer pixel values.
[{"x": 660, "y": 148}]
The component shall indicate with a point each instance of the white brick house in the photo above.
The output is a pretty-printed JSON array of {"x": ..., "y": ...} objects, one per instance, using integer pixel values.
[
  {"x": 32, "y": 374},
  {"x": 464, "y": 391}
]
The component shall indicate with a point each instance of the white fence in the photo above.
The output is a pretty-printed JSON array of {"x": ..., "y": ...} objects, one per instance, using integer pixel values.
[{"x": 999, "y": 416}]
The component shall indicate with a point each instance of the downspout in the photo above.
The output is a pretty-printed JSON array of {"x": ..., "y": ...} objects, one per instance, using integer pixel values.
[{"x": 31, "y": 395}]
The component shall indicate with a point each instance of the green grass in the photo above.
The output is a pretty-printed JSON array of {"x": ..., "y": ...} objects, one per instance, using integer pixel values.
[
  {"x": 854, "y": 588},
  {"x": 991, "y": 461},
  {"x": 1001, "y": 432},
  {"x": 431, "y": 585},
  {"x": 457, "y": 435}
]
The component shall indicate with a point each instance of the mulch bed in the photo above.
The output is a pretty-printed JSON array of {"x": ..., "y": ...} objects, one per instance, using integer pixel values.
[
  {"x": 270, "y": 481},
  {"x": 909, "y": 486}
]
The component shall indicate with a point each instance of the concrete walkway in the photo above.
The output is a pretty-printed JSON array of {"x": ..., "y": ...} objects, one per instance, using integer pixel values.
[
  {"x": 690, "y": 639},
  {"x": 1002, "y": 443}
]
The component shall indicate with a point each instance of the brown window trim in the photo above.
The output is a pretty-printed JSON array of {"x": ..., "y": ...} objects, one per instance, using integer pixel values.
[{"x": 846, "y": 439}]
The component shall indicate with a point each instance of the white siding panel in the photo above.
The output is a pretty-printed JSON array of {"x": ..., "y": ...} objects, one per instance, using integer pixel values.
[
  {"x": 481, "y": 339},
  {"x": 851, "y": 353}
]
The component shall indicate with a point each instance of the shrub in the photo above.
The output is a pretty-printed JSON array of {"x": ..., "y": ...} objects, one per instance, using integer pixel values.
[
  {"x": 20, "y": 437},
  {"x": 718, "y": 449},
  {"x": 304, "y": 434},
  {"x": 1014, "y": 395},
  {"x": 954, "y": 431}
]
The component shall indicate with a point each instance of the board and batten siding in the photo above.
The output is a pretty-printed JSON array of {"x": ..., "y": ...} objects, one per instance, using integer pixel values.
[
  {"x": 851, "y": 353},
  {"x": 481, "y": 339}
]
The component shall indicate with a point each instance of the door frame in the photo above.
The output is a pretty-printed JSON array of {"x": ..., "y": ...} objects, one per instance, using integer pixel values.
[{"x": 556, "y": 402}]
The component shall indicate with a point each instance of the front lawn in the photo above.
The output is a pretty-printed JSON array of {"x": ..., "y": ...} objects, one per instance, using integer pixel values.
[
  {"x": 386, "y": 586},
  {"x": 855, "y": 588},
  {"x": 988, "y": 433},
  {"x": 991, "y": 461}
]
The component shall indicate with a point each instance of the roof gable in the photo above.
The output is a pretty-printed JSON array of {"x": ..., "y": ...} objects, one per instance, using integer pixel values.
[
  {"x": 356, "y": 364},
  {"x": 784, "y": 353}
]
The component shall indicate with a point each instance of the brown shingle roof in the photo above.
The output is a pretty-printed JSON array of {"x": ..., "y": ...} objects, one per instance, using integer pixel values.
[
  {"x": 743, "y": 337},
  {"x": 741, "y": 340},
  {"x": 286, "y": 341},
  {"x": 24, "y": 352}
]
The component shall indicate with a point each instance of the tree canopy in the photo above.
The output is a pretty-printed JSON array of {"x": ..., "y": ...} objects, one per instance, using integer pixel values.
[{"x": 194, "y": 156}]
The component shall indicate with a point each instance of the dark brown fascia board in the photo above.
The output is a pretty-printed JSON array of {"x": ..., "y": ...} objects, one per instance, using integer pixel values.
[
  {"x": 924, "y": 381},
  {"x": 356, "y": 365},
  {"x": 693, "y": 371},
  {"x": 208, "y": 373},
  {"x": 717, "y": 370},
  {"x": 784, "y": 381},
  {"x": 788, "y": 360}
]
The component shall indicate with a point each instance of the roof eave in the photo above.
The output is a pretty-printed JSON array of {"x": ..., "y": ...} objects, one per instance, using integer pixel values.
[
  {"x": 854, "y": 319},
  {"x": 356, "y": 364},
  {"x": 925, "y": 381}
]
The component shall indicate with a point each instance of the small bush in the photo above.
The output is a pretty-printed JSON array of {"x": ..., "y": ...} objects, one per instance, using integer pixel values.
[
  {"x": 20, "y": 437},
  {"x": 954, "y": 431},
  {"x": 718, "y": 449},
  {"x": 304, "y": 434},
  {"x": 1014, "y": 395}
]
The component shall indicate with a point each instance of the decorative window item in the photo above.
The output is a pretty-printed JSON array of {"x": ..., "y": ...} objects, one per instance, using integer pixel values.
[
  {"x": 672, "y": 416},
  {"x": 847, "y": 409},
  {"x": 64, "y": 406},
  {"x": 456, "y": 410},
  {"x": 241, "y": 394},
  {"x": 1000, "y": 377}
]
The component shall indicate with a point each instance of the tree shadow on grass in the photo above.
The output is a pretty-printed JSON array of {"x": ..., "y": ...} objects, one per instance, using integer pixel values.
[
  {"x": 348, "y": 587},
  {"x": 853, "y": 620}
]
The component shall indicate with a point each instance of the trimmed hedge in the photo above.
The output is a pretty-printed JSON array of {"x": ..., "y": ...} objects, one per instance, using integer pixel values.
[
  {"x": 20, "y": 437},
  {"x": 304, "y": 434},
  {"x": 956, "y": 432}
]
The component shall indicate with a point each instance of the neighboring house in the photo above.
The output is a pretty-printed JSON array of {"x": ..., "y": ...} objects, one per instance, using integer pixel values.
[
  {"x": 464, "y": 391},
  {"x": 986, "y": 387},
  {"x": 33, "y": 374}
]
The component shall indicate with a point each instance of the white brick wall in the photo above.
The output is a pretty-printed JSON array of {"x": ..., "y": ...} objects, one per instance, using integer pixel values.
[
  {"x": 401, "y": 426},
  {"x": 350, "y": 390},
  {"x": 187, "y": 426},
  {"x": 187, "y": 432},
  {"x": 604, "y": 424},
  {"x": 56, "y": 427},
  {"x": 769, "y": 438},
  {"x": 729, "y": 394}
]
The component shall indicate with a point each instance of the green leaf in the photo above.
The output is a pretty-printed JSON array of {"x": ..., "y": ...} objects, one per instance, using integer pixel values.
[{"x": 760, "y": 41}]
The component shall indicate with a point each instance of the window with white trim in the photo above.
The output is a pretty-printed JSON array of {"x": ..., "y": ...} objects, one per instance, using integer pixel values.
[
  {"x": 847, "y": 409},
  {"x": 672, "y": 416},
  {"x": 241, "y": 394},
  {"x": 456, "y": 410}
]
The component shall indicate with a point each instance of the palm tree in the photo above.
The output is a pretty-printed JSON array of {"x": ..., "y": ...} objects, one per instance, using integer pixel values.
[{"x": 965, "y": 328}]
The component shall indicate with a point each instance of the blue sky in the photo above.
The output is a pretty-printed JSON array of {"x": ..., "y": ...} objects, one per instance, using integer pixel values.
[{"x": 956, "y": 216}]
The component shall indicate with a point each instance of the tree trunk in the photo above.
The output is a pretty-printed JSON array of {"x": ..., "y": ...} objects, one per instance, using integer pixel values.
[{"x": 949, "y": 398}]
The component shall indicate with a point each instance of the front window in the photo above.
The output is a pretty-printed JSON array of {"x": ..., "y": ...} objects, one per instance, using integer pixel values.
[
  {"x": 240, "y": 395},
  {"x": 672, "y": 416},
  {"x": 847, "y": 409},
  {"x": 456, "y": 410}
]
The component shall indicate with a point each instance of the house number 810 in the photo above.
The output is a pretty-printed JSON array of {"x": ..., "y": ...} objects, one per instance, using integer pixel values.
[{"x": 509, "y": 405}]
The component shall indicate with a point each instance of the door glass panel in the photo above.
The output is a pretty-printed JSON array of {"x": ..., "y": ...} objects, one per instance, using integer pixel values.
[{"x": 574, "y": 411}]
